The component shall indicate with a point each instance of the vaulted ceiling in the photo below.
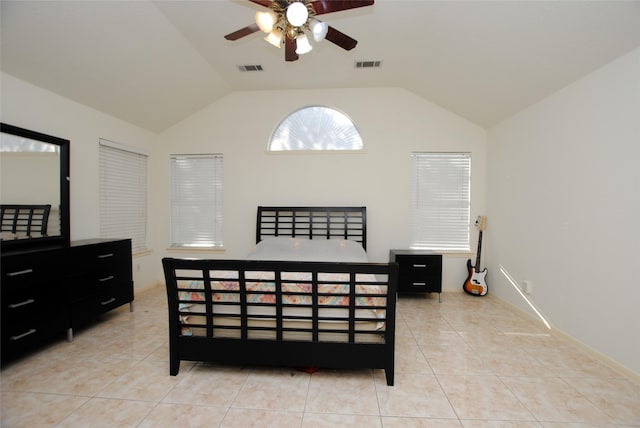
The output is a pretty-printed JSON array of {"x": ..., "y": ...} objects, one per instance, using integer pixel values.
[{"x": 154, "y": 63}]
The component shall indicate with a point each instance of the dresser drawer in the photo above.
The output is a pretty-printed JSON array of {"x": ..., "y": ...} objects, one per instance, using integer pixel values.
[
  {"x": 19, "y": 271},
  {"x": 27, "y": 336},
  {"x": 114, "y": 295},
  {"x": 24, "y": 329},
  {"x": 18, "y": 339},
  {"x": 20, "y": 301}
]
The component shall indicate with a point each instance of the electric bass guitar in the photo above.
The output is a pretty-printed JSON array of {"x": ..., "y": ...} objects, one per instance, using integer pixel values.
[{"x": 475, "y": 283}]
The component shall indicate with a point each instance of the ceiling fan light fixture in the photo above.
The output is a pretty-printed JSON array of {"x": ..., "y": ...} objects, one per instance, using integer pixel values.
[
  {"x": 266, "y": 20},
  {"x": 297, "y": 14},
  {"x": 302, "y": 44},
  {"x": 319, "y": 29},
  {"x": 295, "y": 22},
  {"x": 275, "y": 37}
]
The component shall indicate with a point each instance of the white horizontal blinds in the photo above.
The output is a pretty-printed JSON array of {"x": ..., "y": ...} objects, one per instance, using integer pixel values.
[
  {"x": 123, "y": 194},
  {"x": 441, "y": 201},
  {"x": 196, "y": 201}
]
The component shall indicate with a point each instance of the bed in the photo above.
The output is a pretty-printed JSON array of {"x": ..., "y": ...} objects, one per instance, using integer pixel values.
[
  {"x": 305, "y": 296},
  {"x": 24, "y": 221}
]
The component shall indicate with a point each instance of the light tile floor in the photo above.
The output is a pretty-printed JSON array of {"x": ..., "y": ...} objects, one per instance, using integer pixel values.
[{"x": 465, "y": 362}]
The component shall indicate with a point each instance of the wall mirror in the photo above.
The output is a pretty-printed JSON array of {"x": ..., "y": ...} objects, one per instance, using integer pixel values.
[{"x": 34, "y": 173}]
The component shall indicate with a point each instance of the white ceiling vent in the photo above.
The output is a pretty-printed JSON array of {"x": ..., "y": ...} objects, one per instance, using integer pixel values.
[
  {"x": 368, "y": 64},
  {"x": 250, "y": 68}
]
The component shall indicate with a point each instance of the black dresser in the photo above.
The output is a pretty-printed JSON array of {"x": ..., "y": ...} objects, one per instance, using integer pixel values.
[
  {"x": 47, "y": 291},
  {"x": 419, "y": 271}
]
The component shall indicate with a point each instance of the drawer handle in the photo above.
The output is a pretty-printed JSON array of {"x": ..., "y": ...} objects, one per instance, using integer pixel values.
[
  {"x": 17, "y": 305},
  {"x": 111, "y": 300},
  {"x": 20, "y": 272},
  {"x": 419, "y": 283},
  {"x": 20, "y": 336},
  {"x": 104, "y": 256},
  {"x": 419, "y": 266},
  {"x": 109, "y": 278}
]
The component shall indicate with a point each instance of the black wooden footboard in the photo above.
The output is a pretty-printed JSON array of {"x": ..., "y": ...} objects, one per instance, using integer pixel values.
[{"x": 296, "y": 314}]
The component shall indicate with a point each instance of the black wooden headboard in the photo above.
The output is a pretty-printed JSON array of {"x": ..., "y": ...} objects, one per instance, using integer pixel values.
[
  {"x": 313, "y": 223},
  {"x": 25, "y": 220}
]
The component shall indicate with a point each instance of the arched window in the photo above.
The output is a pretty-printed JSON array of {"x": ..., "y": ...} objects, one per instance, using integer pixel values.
[{"x": 316, "y": 128}]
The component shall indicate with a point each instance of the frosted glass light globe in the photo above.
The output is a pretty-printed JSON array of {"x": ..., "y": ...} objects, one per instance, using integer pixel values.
[
  {"x": 302, "y": 45},
  {"x": 319, "y": 29},
  {"x": 266, "y": 20},
  {"x": 297, "y": 14},
  {"x": 275, "y": 37}
]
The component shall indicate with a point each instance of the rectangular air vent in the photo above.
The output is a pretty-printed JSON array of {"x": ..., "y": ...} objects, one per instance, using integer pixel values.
[
  {"x": 368, "y": 64},
  {"x": 250, "y": 68}
]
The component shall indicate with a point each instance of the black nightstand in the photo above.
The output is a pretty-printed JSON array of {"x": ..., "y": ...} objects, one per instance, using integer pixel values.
[{"x": 419, "y": 271}]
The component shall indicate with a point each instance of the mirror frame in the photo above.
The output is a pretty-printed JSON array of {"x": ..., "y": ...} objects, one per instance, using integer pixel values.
[{"x": 65, "y": 223}]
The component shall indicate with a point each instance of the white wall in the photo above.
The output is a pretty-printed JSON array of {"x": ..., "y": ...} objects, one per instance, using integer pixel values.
[
  {"x": 564, "y": 208},
  {"x": 392, "y": 123},
  {"x": 30, "y": 107}
]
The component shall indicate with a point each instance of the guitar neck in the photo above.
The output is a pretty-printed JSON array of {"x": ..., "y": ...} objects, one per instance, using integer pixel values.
[{"x": 479, "y": 249}]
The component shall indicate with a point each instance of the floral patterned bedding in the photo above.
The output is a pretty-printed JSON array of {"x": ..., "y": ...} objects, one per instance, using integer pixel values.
[{"x": 263, "y": 290}]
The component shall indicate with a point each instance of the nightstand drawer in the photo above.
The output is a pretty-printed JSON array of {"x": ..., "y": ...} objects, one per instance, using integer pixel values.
[
  {"x": 419, "y": 265},
  {"x": 418, "y": 284}
]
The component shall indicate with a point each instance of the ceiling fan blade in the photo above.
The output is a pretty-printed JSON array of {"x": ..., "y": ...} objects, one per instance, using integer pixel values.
[
  {"x": 328, "y": 6},
  {"x": 264, "y": 3},
  {"x": 340, "y": 39},
  {"x": 249, "y": 29},
  {"x": 290, "y": 46}
]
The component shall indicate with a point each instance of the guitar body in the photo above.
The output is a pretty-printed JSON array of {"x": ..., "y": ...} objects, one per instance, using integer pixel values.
[{"x": 475, "y": 283}]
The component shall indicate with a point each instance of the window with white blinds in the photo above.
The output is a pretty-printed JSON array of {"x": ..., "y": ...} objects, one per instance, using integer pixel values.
[
  {"x": 196, "y": 201},
  {"x": 123, "y": 194},
  {"x": 441, "y": 201}
]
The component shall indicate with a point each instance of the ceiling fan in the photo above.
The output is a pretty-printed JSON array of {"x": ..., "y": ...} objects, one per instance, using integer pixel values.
[{"x": 285, "y": 22}]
